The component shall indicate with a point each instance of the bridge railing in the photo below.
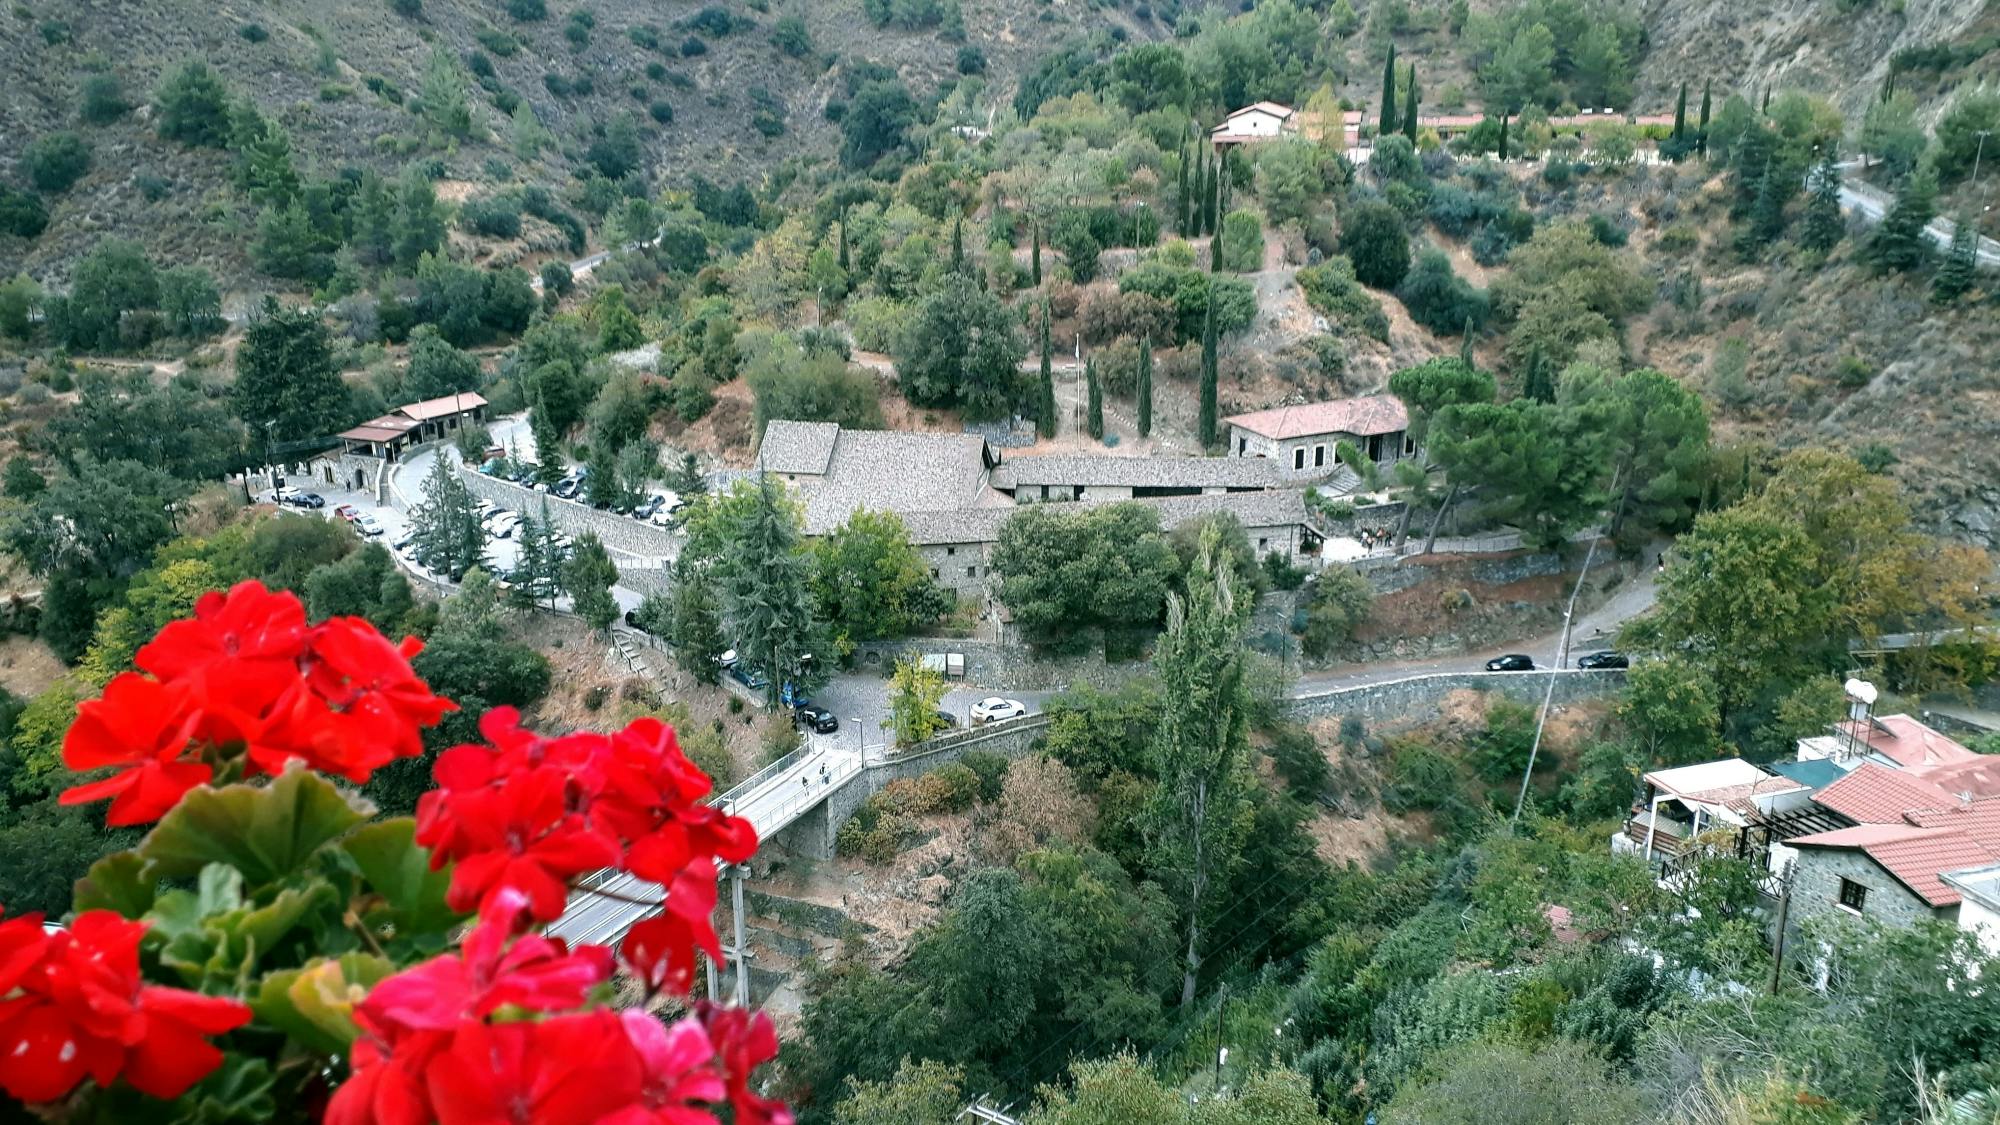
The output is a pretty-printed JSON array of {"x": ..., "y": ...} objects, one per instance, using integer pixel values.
[
  {"x": 749, "y": 785},
  {"x": 792, "y": 799}
]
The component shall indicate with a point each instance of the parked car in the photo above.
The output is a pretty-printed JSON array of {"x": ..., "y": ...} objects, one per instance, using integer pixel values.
[
  {"x": 368, "y": 525},
  {"x": 1605, "y": 659},
  {"x": 1512, "y": 662},
  {"x": 994, "y": 709},
  {"x": 727, "y": 659},
  {"x": 403, "y": 539},
  {"x": 504, "y": 525},
  {"x": 309, "y": 500},
  {"x": 819, "y": 720},
  {"x": 946, "y": 720},
  {"x": 648, "y": 506},
  {"x": 347, "y": 512},
  {"x": 748, "y": 676}
]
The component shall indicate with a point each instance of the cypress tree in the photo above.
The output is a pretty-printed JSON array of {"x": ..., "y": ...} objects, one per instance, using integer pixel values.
[
  {"x": 1388, "y": 122},
  {"x": 1215, "y": 249},
  {"x": 1681, "y": 116},
  {"x": 1701, "y": 131},
  {"x": 1145, "y": 408},
  {"x": 1503, "y": 137},
  {"x": 1767, "y": 214},
  {"x": 1035, "y": 258},
  {"x": 1181, "y": 192},
  {"x": 1465, "y": 346},
  {"x": 1211, "y": 207},
  {"x": 1207, "y": 422},
  {"x": 1539, "y": 383},
  {"x": 1096, "y": 412},
  {"x": 1823, "y": 224},
  {"x": 1045, "y": 411},
  {"x": 843, "y": 240},
  {"x": 1410, "y": 107},
  {"x": 1766, "y": 108},
  {"x": 958, "y": 245},
  {"x": 1956, "y": 275}
]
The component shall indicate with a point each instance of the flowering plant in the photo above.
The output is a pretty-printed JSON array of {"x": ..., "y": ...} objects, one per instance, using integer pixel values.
[{"x": 270, "y": 951}]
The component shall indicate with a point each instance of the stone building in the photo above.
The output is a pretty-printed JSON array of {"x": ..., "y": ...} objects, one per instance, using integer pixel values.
[{"x": 1303, "y": 441}]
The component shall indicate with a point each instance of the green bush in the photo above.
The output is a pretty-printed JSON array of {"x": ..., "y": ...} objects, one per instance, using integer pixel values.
[
  {"x": 527, "y": 11},
  {"x": 1374, "y": 239},
  {"x": 22, "y": 213},
  {"x": 1332, "y": 289},
  {"x": 253, "y": 32},
  {"x": 1243, "y": 242},
  {"x": 1298, "y": 759},
  {"x": 56, "y": 161},
  {"x": 991, "y": 769},
  {"x": 104, "y": 99}
]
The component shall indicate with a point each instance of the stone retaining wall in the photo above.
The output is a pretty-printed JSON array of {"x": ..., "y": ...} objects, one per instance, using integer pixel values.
[
  {"x": 1417, "y": 697},
  {"x": 1002, "y": 666},
  {"x": 620, "y": 533}
]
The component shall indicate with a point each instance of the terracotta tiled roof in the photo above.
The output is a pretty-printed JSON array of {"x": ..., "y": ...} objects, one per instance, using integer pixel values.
[
  {"x": 1364, "y": 417},
  {"x": 388, "y": 427},
  {"x": 1916, "y": 856},
  {"x": 1876, "y": 794},
  {"x": 1969, "y": 780},
  {"x": 1908, "y": 742},
  {"x": 442, "y": 407},
  {"x": 1978, "y": 819}
]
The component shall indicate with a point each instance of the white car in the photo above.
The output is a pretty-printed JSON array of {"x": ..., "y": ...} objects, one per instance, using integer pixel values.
[
  {"x": 368, "y": 525},
  {"x": 503, "y": 525},
  {"x": 994, "y": 709}
]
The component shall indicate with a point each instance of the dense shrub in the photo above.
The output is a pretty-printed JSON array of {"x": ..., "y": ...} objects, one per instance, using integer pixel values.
[
  {"x": 22, "y": 213},
  {"x": 494, "y": 217},
  {"x": 1332, "y": 290},
  {"x": 1439, "y": 299},
  {"x": 527, "y": 10},
  {"x": 1373, "y": 238}
]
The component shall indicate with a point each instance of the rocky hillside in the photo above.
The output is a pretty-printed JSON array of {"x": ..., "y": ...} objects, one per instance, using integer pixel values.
[
  {"x": 1840, "y": 49},
  {"x": 719, "y": 87}
]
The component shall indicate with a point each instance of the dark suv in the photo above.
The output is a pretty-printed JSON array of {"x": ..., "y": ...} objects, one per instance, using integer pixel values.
[
  {"x": 1606, "y": 659},
  {"x": 1512, "y": 662},
  {"x": 819, "y": 720}
]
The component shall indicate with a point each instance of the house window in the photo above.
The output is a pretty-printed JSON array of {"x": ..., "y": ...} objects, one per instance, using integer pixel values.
[
  {"x": 1242, "y": 446},
  {"x": 1263, "y": 543},
  {"x": 1409, "y": 446},
  {"x": 1299, "y": 457},
  {"x": 934, "y": 574},
  {"x": 951, "y": 550},
  {"x": 1045, "y": 492},
  {"x": 1853, "y": 895},
  {"x": 972, "y": 572}
]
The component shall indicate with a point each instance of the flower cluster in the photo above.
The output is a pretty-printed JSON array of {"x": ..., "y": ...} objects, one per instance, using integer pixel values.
[
  {"x": 504, "y": 1030},
  {"x": 72, "y": 1004},
  {"x": 246, "y": 684},
  {"x": 530, "y": 815}
]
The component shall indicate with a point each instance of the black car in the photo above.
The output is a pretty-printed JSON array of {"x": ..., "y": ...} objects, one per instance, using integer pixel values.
[
  {"x": 305, "y": 500},
  {"x": 1606, "y": 659},
  {"x": 819, "y": 720},
  {"x": 947, "y": 720},
  {"x": 1512, "y": 662}
]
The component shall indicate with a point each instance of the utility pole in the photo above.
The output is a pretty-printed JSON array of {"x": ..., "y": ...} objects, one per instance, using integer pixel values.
[{"x": 1548, "y": 697}]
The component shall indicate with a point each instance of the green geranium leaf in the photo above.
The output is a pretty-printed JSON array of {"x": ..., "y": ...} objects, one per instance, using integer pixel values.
[
  {"x": 237, "y": 1091},
  {"x": 213, "y": 937},
  {"x": 315, "y": 1005},
  {"x": 117, "y": 882},
  {"x": 400, "y": 872},
  {"x": 265, "y": 832}
]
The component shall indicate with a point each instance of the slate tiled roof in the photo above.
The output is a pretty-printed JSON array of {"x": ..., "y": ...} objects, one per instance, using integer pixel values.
[
  {"x": 1139, "y": 472},
  {"x": 797, "y": 447},
  {"x": 442, "y": 407},
  {"x": 1915, "y": 856},
  {"x": 1364, "y": 417},
  {"x": 1283, "y": 508},
  {"x": 1876, "y": 794}
]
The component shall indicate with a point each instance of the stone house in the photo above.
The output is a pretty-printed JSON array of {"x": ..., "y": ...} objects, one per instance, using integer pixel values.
[
  {"x": 1893, "y": 873},
  {"x": 368, "y": 449},
  {"x": 1303, "y": 441},
  {"x": 1253, "y": 124}
]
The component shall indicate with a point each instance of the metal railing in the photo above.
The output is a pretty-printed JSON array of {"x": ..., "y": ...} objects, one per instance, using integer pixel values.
[
  {"x": 795, "y": 800},
  {"x": 747, "y": 785}
]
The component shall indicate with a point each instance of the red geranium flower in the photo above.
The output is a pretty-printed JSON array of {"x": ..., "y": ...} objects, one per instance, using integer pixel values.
[
  {"x": 517, "y": 834},
  {"x": 566, "y": 1069},
  {"x": 248, "y": 623},
  {"x": 743, "y": 1043},
  {"x": 142, "y": 725},
  {"x": 678, "y": 1070},
  {"x": 489, "y": 972},
  {"x": 356, "y": 670},
  {"x": 385, "y": 1088},
  {"x": 81, "y": 1009}
]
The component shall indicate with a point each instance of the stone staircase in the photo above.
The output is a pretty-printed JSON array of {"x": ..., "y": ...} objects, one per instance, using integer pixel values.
[{"x": 1342, "y": 483}]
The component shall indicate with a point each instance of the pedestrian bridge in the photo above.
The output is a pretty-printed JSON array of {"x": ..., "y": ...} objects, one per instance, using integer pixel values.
[{"x": 610, "y": 902}]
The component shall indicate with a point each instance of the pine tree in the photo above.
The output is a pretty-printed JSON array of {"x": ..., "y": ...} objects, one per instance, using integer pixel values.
[
  {"x": 1899, "y": 243},
  {"x": 588, "y": 576},
  {"x": 766, "y": 576},
  {"x": 1767, "y": 214},
  {"x": 1680, "y": 118},
  {"x": 1410, "y": 107},
  {"x": 1824, "y": 227},
  {"x": 958, "y": 245},
  {"x": 1045, "y": 407},
  {"x": 548, "y": 444},
  {"x": 1096, "y": 411},
  {"x": 1503, "y": 138},
  {"x": 1701, "y": 130},
  {"x": 1208, "y": 374},
  {"x": 1145, "y": 406},
  {"x": 1035, "y": 259},
  {"x": 1957, "y": 273},
  {"x": 444, "y": 527},
  {"x": 1388, "y": 123}
]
